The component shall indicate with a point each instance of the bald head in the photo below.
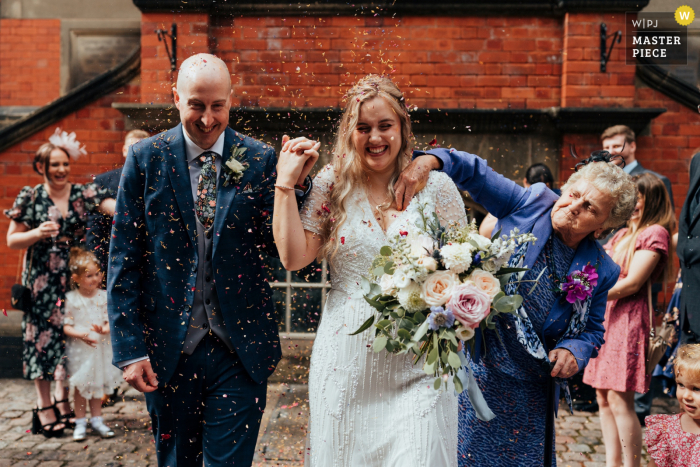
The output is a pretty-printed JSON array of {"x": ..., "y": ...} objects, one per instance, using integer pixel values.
[
  {"x": 202, "y": 68},
  {"x": 203, "y": 97}
]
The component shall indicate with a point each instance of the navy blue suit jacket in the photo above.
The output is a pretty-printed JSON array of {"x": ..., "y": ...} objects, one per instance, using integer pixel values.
[
  {"x": 100, "y": 225},
  {"x": 153, "y": 255},
  {"x": 530, "y": 210}
]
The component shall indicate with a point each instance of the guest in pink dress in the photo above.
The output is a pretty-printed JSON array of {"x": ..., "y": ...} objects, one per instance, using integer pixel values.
[
  {"x": 674, "y": 440},
  {"x": 641, "y": 249}
]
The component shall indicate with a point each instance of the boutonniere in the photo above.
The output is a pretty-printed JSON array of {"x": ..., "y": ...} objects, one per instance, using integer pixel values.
[
  {"x": 235, "y": 165},
  {"x": 578, "y": 286}
]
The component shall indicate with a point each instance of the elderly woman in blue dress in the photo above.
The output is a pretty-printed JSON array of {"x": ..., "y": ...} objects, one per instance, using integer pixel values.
[{"x": 556, "y": 332}]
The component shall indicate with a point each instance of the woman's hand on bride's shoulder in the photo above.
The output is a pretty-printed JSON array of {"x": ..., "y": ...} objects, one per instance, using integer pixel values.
[
  {"x": 413, "y": 178},
  {"x": 296, "y": 159}
]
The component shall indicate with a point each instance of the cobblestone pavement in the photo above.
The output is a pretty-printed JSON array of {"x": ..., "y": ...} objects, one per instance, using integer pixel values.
[{"x": 281, "y": 440}]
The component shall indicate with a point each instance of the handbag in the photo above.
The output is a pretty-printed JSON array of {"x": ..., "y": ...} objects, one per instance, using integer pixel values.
[
  {"x": 20, "y": 294},
  {"x": 658, "y": 341}
]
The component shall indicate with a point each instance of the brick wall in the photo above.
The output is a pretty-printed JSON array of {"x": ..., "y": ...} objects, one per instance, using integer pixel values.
[
  {"x": 583, "y": 84},
  {"x": 29, "y": 61},
  {"x": 192, "y": 38},
  {"x": 98, "y": 126},
  {"x": 310, "y": 62}
]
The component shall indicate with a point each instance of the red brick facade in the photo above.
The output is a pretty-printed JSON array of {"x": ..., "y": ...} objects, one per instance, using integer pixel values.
[
  {"x": 286, "y": 61},
  {"x": 29, "y": 61}
]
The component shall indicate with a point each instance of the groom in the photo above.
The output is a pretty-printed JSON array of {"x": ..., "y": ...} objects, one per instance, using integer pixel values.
[{"x": 193, "y": 324}]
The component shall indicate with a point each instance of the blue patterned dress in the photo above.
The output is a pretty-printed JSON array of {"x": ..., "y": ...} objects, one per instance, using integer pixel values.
[{"x": 513, "y": 382}]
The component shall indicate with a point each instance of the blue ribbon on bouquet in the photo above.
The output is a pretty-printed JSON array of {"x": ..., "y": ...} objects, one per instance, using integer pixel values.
[{"x": 481, "y": 408}]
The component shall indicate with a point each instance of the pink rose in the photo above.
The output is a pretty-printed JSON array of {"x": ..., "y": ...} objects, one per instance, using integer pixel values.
[
  {"x": 437, "y": 289},
  {"x": 486, "y": 282},
  {"x": 469, "y": 304}
]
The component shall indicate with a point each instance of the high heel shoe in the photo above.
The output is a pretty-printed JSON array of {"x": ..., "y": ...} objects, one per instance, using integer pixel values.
[
  {"x": 65, "y": 418},
  {"x": 48, "y": 429}
]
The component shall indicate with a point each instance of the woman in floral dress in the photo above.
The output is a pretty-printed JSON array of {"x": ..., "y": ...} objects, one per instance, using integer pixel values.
[
  {"x": 46, "y": 272},
  {"x": 642, "y": 251}
]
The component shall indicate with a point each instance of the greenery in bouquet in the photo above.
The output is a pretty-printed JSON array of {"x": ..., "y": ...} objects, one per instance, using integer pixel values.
[{"x": 433, "y": 286}]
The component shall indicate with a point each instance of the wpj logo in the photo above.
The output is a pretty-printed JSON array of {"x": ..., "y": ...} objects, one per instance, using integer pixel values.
[{"x": 661, "y": 37}]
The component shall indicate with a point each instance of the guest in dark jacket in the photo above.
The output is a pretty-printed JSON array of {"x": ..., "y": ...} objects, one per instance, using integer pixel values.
[
  {"x": 689, "y": 254},
  {"x": 100, "y": 225}
]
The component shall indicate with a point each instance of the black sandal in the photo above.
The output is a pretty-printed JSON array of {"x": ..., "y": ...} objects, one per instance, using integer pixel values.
[
  {"x": 49, "y": 429},
  {"x": 65, "y": 418}
]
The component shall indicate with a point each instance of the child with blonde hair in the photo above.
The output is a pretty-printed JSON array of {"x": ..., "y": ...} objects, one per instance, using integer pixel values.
[
  {"x": 88, "y": 346},
  {"x": 674, "y": 440}
]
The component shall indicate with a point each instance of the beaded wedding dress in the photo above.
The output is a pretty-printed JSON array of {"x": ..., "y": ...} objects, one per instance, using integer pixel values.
[{"x": 373, "y": 409}]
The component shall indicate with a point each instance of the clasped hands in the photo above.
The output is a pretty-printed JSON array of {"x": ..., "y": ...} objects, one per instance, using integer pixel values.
[{"x": 296, "y": 160}]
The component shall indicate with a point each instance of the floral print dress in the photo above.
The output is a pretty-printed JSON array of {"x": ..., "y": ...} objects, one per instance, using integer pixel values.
[{"x": 47, "y": 276}]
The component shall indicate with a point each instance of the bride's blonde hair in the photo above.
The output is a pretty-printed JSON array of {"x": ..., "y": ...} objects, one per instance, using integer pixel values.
[{"x": 348, "y": 166}]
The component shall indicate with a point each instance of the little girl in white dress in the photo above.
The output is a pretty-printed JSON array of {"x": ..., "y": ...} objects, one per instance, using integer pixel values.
[{"x": 88, "y": 346}]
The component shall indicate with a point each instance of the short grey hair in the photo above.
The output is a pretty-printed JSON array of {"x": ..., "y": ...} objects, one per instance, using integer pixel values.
[{"x": 609, "y": 178}]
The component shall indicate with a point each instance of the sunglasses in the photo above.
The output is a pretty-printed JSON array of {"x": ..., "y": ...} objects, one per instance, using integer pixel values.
[{"x": 599, "y": 156}]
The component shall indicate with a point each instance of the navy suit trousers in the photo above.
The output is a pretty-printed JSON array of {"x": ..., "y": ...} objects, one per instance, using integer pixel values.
[{"x": 209, "y": 412}]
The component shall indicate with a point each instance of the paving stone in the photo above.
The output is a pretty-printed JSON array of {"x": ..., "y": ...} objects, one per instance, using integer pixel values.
[
  {"x": 32, "y": 463},
  {"x": 579, "y": 448},
  {"x": 280, "y": 443},
  {"x": 50, "y": 456},
  {"x": 48, "y": 446}
]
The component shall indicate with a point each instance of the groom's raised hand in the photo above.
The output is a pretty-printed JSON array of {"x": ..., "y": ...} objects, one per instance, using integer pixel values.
[{"x": 140, "y": 376}]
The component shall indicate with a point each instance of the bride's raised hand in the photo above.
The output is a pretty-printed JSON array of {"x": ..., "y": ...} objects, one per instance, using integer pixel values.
[{"x": 296, "y": 159}]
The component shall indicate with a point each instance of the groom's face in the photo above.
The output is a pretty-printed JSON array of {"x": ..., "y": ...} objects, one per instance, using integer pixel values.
[{"x": 204, "y": 102}]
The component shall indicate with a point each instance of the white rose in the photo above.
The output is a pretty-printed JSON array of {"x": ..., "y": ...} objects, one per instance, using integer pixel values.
[
  {"x": 464, "y": 333},
  {"x": 401, "y": 278},
  {"x": 483, "y": 242},
  {"x": 437, "y": 289},
  {"x": 422, "y": 245},
  {"x": 410, "y": 298},
  {"x": 427, "y": 262},
  {"x": 234, "y": 165},
  {"x": 387, "y": 285},
  {"x": 457, "y": 257}
]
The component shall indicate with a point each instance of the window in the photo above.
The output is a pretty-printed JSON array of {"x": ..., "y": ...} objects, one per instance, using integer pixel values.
[{"x": 299, "y": 297}]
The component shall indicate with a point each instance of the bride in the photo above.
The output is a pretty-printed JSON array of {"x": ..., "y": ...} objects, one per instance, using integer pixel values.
[{"x": 366, "y": 408}]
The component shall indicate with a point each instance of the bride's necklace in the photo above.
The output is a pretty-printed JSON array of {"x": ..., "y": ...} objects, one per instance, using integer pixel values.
[{"x": 378, "y": 206}]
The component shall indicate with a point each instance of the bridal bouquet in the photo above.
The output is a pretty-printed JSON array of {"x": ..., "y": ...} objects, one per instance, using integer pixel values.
[{"x": 434, "y": 285}]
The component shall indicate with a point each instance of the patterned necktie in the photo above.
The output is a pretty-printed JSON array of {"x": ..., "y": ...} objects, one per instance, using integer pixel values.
[{"x": 206, "y": 190}]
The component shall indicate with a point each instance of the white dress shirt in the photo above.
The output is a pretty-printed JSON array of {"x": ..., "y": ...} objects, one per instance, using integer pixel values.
[{"x": 630, "y": 167}]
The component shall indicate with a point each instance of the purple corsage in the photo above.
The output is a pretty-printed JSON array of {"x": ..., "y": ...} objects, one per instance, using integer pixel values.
[{"x": 578, "y": 286}]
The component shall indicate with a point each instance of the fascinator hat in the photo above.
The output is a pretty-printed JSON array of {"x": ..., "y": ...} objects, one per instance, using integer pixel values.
[{"x": 68, "y": 143}]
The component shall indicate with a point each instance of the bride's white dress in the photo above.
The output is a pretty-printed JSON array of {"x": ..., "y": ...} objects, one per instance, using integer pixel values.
[{"x": 373, "y": 409}]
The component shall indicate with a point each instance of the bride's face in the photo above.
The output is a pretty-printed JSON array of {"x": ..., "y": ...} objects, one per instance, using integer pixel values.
[{"x": 377, "y": 136}]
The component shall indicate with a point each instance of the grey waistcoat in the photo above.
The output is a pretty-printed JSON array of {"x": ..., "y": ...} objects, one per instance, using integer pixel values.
[{"x": 206, "y": 312}]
